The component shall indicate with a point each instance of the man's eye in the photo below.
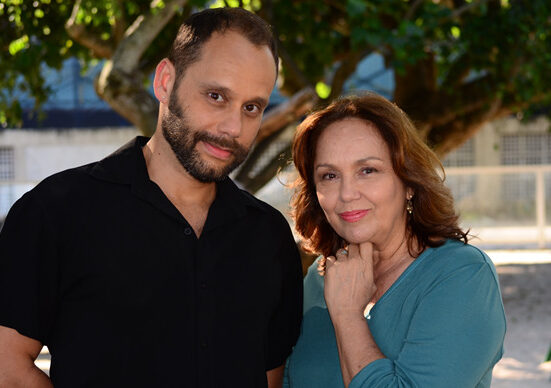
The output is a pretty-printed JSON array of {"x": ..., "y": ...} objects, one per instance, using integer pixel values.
[
  {"x": 252, "y": 108},
  {"x": 216, "y": 96}
]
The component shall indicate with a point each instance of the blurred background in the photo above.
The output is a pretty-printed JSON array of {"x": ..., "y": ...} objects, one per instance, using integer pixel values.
[{"x": 474, "y": 76}]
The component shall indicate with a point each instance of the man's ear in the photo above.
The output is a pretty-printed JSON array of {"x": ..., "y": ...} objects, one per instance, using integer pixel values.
[{"x": 165, "y": 75}]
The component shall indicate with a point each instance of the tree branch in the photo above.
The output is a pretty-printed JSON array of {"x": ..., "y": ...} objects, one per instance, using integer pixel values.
[
  {"x": 253, "y": 183},
  {"x": 141, "y": 33},
  {"x": 276, "y": 120},
  {"x": 345, "y": 69},
  {"x": 459, "y": 70},
  {"x": 120, "y": 22},
  {"x": 454, "y": 133},
  {"x": 467, "y": 7},
  {"x": 79, "y": 33},
  {"x": 120, "y": 83},
  {"x": 411, "y": 11},
  {"x": 286, "y": 113},
  {"x": 292, "y": 67},
  {"x": 127, "y": 96}
]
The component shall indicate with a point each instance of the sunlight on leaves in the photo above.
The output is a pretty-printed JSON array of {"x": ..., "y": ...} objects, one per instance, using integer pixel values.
[
  {"x": 218, "y": 4},
  {"x": 323, "y": 90},
  {"x": 19, "y": 44},
  {"x": 456, "y": 32}
]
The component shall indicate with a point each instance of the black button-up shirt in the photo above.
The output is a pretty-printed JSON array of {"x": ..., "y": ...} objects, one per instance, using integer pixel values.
[{"x": 97, "y": 263}]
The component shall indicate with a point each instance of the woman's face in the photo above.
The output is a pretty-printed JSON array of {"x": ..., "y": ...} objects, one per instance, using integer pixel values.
[{"x": 361, "y": 196}]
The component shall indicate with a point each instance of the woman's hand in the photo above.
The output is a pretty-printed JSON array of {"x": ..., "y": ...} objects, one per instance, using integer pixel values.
[{"x": 349, "y": 284}]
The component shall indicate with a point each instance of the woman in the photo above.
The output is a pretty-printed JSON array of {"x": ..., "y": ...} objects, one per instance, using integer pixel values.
[{"x": 398, "y": 297}]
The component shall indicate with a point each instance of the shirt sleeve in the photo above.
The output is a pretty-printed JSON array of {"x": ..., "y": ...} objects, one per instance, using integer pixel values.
[
  {"x": 28, "y": 269},
  {"x": 284, "y": 327},
  {"x": 454, "y": 339}
]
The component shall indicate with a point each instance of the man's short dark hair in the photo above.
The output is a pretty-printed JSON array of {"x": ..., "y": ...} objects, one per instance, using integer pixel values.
[{"x": 199, "y": 27}]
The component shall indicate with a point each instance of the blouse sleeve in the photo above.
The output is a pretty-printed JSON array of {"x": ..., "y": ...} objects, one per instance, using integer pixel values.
[{"x": 454, "y": 339}]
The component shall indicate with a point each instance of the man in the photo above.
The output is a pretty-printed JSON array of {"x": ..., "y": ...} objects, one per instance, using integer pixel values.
[{"x": 150, "y": 268}]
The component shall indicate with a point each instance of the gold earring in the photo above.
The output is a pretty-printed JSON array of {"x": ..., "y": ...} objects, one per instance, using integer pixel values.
[{"x": 409, "y": 206}]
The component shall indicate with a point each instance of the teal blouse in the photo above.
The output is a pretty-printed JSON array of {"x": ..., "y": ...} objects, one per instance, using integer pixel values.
[{"x": 441, "y": 324}]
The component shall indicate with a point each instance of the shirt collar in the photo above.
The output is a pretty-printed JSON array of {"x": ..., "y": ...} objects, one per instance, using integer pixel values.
[
  {"x": 123, "y": 165},
  {"x": 127, "y": 166}
]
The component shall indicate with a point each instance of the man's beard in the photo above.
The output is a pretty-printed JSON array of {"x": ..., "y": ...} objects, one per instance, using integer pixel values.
[{"x": 183, "y": 139}]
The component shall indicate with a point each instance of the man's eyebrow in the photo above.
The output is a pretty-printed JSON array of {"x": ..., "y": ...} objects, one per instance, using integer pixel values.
[
  {"x": 261, "y": 101},
  {"x": 219, "y": 88}
]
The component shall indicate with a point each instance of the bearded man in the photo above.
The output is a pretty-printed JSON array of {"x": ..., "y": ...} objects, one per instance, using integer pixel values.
[{"x": 150, "y": 268}]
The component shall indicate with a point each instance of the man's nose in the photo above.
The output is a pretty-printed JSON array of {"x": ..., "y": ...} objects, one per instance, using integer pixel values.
[{"x": 231, "y": 123}]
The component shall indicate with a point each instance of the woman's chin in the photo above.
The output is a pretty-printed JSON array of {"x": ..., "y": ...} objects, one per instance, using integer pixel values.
[{"x": 354, "y": 239}]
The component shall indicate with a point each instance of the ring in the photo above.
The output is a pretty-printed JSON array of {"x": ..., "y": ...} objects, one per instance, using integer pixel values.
[{"x": 342, "y": 251}]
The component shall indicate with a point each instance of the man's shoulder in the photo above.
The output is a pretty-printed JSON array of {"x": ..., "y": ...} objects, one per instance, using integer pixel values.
[
  {"x": 72, "y": 178},
  {"x": 113, "y": 168},
  {"x": 261, "y": 207}
]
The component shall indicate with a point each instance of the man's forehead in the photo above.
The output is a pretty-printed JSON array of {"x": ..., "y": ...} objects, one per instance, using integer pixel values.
[{"x": 232, "y": 64}]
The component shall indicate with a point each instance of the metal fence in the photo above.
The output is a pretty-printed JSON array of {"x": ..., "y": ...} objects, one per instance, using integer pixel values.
[
  {"x": 502, "y": 205},
  {"x": 506, "y": 205}
]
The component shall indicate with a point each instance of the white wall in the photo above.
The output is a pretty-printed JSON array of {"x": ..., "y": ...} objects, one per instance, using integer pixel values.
[{"x": 40, "y": 153}]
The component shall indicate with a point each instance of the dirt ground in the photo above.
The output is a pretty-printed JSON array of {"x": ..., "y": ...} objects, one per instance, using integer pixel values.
[{"x": 526, "y": 290}]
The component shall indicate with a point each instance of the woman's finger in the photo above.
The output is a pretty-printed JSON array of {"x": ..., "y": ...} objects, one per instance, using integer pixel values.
[
  {"x": 366, "y": 250},
  {"x": 342, "y": 254},
  {"x": 353, "y": 250},
  {"x": 321, "y": 266}
]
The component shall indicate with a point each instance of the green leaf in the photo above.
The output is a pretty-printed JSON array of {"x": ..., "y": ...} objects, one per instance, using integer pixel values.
[
  {"x": 18, "y": 45},
  {"x": 355, "y": 8},
  {"x": 323, "y": 90}
]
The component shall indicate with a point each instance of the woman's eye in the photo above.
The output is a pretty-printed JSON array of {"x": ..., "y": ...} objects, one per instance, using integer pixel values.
[
  {"x": 216, "y": 96},
  {"x": 368, "y": 170},
  {"x": 328, "y": 176}
]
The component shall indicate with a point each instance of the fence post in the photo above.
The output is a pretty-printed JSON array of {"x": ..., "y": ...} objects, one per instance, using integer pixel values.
[{"x": 540, "y": 207}]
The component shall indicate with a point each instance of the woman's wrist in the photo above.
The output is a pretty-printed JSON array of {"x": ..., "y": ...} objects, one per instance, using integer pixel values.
[{"x": 347, "y": 316}]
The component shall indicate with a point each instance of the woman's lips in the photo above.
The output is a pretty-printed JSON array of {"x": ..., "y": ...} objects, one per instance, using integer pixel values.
[
  {"x": 217, "y": 152},
  {"x": 353, "y": 216}
]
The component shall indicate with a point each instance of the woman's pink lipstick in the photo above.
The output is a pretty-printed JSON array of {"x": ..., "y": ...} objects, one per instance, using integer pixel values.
[{"x": 353, "y": 216}]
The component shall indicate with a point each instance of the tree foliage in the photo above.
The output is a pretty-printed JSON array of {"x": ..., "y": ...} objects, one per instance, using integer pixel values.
[{"x": 457, "y": 63}]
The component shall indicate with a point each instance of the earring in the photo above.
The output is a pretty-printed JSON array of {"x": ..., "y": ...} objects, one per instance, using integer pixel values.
[{"x": 409, "y": 206}]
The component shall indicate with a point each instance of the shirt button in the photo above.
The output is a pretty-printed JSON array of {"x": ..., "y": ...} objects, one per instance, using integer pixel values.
[{"x": 187, "y": 231}]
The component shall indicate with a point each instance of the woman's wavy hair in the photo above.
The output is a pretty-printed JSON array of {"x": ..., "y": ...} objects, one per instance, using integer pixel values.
[{"x": 433, "y": 219}]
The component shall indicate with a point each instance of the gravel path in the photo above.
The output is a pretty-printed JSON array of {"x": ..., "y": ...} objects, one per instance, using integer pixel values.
[{"x": 526, "y": 290}]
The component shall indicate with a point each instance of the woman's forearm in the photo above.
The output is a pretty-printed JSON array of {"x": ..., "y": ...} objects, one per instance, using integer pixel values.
[{"x": 355, "y": 344}]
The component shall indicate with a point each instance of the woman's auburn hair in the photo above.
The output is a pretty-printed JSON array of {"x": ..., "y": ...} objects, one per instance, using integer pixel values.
[{"x": 433, "y": 219}]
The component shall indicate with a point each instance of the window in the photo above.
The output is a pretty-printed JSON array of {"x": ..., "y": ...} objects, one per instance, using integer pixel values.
[
  {"x": 523, "y": 150},
  {"x": 526, "y": 149},
  {"x": 462, "y": 186},
  {"x": 7, "y": 164},
  {"x": 462, "y": 156}
]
